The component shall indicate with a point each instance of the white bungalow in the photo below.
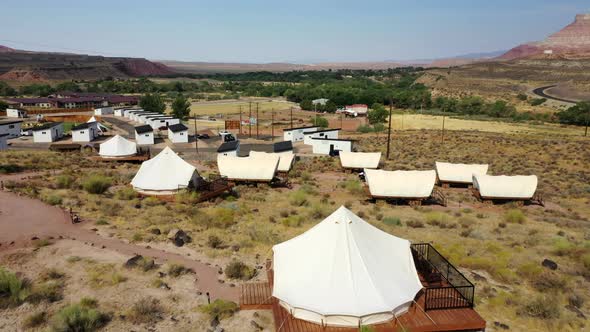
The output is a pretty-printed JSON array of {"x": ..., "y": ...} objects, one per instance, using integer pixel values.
[
  {"x": 144, "y": 135},
  {"x": 332, "y": 275},
  {"x": 49, "y": 132},
  {"x": 331, "y": 146},
  {"x": 164, "y": 174},
  {"x": 260, "y": 168},
  {"x": 296, "y": 134},
  {"x": 178, "y": 133},
  {"x": 142, "y": 117},
  {"x": 119, "y": 112},
  {"x": 85, "y": 132},
  {"x": 117, "y": 147},
  {"x": 231, "y": 148},
  {"x": 3, "y": 142},
  {"x": 160, "y": 121},
  {"x": 414, "y": 186},
  {"x": 103, "y": 111},
  {"x": 11, "y": 127},
  {"x": 359, "y": 160},
  {"x": 502, "y": 187},
  {"x": 16, "y": 113},
  {"x": 323, "y": 134},
  {"x": 131, "y": 114},
  {"x": 448, "y": 173}
]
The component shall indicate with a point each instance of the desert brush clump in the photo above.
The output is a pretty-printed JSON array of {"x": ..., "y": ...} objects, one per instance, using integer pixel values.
[
  {"x": 13, "y": 289},
  {"x": 146, "y": 311},
  {"x": 239, "y": 270},
  {"x": 79, "y": 318},
  {"x": 96, "y": 183},
  {"x": 514, "y": 216},
  {"x": 219, "y": 309}
]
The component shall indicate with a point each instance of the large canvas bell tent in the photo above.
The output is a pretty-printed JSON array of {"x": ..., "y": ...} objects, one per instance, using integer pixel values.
[
  {"x": 518, "y": 187},
  {"x": 259, "y": 168},
  {"x": 459, "y": 173},
  {"x": 164, "y": 174},
  {"x": 360, "y": 160},
  {"x": 345, "y": 272},
  {"x": 117, "y": 147}
]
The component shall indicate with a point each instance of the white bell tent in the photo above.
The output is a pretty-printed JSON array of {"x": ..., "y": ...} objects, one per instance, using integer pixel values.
[
  {"x": 259, "y": 168},
  {"x": 117, "y": 147},
  {"x": 505, "y": 187},
  {"x": 101, "y": 127},
  {"x": 459, "y": 173},
  {"x": 345, "y": 272},
  {"x": 400, "y": 184},
  {"x": 164, "y": 174},
  {"x": 359, "y": 160}
]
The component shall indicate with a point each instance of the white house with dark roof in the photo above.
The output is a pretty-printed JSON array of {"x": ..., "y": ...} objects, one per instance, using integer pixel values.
[
  {"x": 144, "y": 135},
  {"x": 331, "y": 133},
  {"x": 178, "y": 133},
  {"x": 231, "y": 148},
  {"x": 16, "y": 113},
  {"x": 48, "y": 133},
  {"x": 85, "y": 132},
  {"x": 296, "y": 134},
  {"x": 10, "y": 127},
  {"x": 331, "y": 146}
]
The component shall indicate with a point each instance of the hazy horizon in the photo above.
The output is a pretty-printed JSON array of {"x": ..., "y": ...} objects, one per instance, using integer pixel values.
[{"x": 264, "y": 31}]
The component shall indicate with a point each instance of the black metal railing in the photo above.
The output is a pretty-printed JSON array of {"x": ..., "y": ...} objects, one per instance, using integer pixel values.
[{"x": 447, "y": 287}]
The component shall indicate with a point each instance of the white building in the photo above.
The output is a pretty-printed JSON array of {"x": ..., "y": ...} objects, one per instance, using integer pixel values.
[
  {"x": 331, "y": 146},
  {"x": 325, "y": 133},
  {"x": 231, "y": 148},
  {"x": 158, "y": 121},
  {"x": 119, "y": 111},
  {"x": 321, "y": 101},
  {"x": 10, "y": 127},
  {"x": 296, "y": 134},
  {"x": 144, "y": 135},
  {"x": 3, "y": 142},
  {"x": 103, "y": 111},
  {"x": 178, "y": 133},
  {"x": 85, "y": 132},
  {"x": 142, "y": 117},
  {"x": 49, "y": 132},
  {"x": 130, "y": 114},
  {"x": 16, "y": 113}
]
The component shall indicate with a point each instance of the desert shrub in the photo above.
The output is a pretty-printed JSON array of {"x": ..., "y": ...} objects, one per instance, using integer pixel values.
[
  {"x": 146, "y": 310},
  {"x": 550, "y": 281},
  {"x": 100, "y": 275},
  {"x": 96, "y": 183},
  {"x": 35, "y": 320},
  {"x": 64, "y": 181},
  {"x": 50, "y": 291},
  {"x": 137, "y": 237},
  {"x": 223, "y": 217},
  {"x": 364, "y": 129},
  {"x": 354, "y": 186},
  {"x": 415, "y": 223},
  {"x": 78, "y": 318},
  {"x": 51, "y": 274},
  {"x": 466, "y": 221},
  {"x": 176, "y": 270},
  {"x": 292, "y": 221},
  {"x": 214, "y": 241},
  {"x": 187, "y": 197},
  {"x": 514, "y": 216},
  {"x": 89, "y": 302},
  {"x": 317, "y": 212},
  {"x": 52, "y": 199},
  {"x": 530, "y": 271},
  {"x": 299, "y": 198},
  {"x": 585, "y": 259},
  {"x": 13, "y": 290},
  {"x": 541, "y": 307},
  {"x": 439, "y": 219},
  {"x": 126, "y": 194},
  {"x": 392, "y": 221},
  {"x": 220, "y": 309},
  {"x": 151, "y": 201},
  {"x": 239, "y": 270},
  {"x": 101, "y": 221},
  {"x": 563, "y": 247}
]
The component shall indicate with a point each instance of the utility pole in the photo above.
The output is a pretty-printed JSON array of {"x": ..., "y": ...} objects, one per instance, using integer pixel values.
[
  {"x": 389, "y": 129},
  {"x": 257, "y": 120},
  {"x": 240, "y": 119},
  {"x": 291, "y": 117},
  {"x": 443, "y": 130},
  {"x": 250, "y": 119},
  {"x": 196, "y": 136},
  {"x": 341, "y": 120},
  {"x": 272, "y": 125}
]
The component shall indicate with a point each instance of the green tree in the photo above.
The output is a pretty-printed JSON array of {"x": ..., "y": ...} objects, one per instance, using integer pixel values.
[
  {"x": 576, "y": 115},
  {"x": 68, "y": 86},
  {"x": 377, "y": 114},
  {"x": 320, "y": 122},
  {"x": 3, "y": 105},
  {"x": 152, "y": 103},
  {"x": 6, "y": 90},
  {"x": 306, "y": 105},
  {"x": 181, "y": 107}
]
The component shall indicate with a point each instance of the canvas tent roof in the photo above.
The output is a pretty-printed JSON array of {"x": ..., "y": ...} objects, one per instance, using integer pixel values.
[
  {"x": 345, "y": 272},
  {"x": 117, "y": 147},
  {"x": 360, "y": 159},
  {"x": 461, "y": 173},
  {"x": 508, "y": 187},
  {"x": 252, "y": 168},
  {"x": 100, "y": 126},
  {"x": 285, "y": 159},
  {"x": 164, "y": 173},
  {"x": 400, "y": 184}
]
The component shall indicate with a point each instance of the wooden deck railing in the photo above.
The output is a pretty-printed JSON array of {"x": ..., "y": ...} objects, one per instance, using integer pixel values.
[{"x": 447, "y": 287}]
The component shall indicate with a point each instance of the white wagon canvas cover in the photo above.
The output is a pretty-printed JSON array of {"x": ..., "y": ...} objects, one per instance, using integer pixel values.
[
  {"x": 117, "y": 147},
  {"x": 345, "y": 272},
  {"x": 459, "y": 173},
  {"x": 358, "y": 160},
  {"x": 164, "y": 174},
  {"x": 285, "y": 159},
  {"x": 506, "y": 187},
  {"x": 252, "y": 168},
  {"x": 400, "y": 184}
]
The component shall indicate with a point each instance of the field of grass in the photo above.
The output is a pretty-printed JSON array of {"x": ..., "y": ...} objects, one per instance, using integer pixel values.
[{"x": 233, "y": 107}]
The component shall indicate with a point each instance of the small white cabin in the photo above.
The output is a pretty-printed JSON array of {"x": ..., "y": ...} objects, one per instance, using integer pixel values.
[
  {"x": 11, "y": 127},
  {"x": 103, "y": 111},
  {"x": 15, "y": 113},
  {"x": 325, "y": 133},
  {"x": 119, "y": 111},
  {"x": 296, "y": 134},
  {"x": 158, "y": 122},
  {"x": 178, "y": 133},
  {"x": 85, "y": 132},
  {"x": 331, "y": 146},
  {"x": 231, "y": 149},
  {"x": 144, "y": 135},
  {"x": 48, "y": 133}
]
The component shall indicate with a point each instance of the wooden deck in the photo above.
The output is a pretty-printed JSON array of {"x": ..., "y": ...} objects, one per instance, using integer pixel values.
[{"x": 256, "y": 295}]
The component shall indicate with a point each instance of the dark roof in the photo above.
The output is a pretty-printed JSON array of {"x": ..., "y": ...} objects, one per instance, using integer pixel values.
[
  {"x": 175, "y": 128},
  {"x": 228, "y": 146},
  {"x": 322, "y": 131},
  {"x": 82, "y": 126},
  {"x": 290, "y": 129},
  {"x": 47, "y": 125},
  {"x": 333, "y": 139},
  {"x": 7, "y": 122},
  {"x": 283, "y": 146},
  {"x": 144, "y": 129}
]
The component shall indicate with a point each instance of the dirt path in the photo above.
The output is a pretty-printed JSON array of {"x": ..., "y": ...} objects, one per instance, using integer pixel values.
[{"x": 23, "y": 218}]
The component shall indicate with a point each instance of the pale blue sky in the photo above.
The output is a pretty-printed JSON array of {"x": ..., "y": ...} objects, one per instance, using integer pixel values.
[{"x": 281, "y": 30}]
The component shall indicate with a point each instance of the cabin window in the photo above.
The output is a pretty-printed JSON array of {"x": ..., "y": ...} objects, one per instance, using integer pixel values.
[
  {"x": 181, "y": 134},
  {"x": 322, "y": 135},
  {"x": 147, "y": 135},
  {"x": 82, "y": 132},
  {"x": 43, "y": 132},
  {"x": 11, "y": 126}
]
